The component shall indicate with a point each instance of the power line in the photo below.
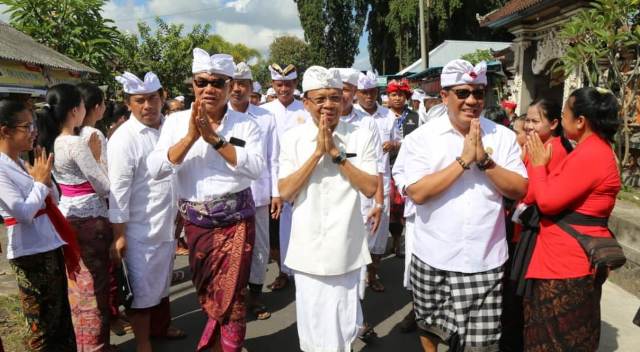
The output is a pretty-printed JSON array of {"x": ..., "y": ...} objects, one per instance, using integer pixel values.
[{"x": 167, "y": 15}]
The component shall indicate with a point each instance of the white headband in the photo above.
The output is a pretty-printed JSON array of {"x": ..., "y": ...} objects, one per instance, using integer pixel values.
[
  {"x": 282, "y": 74},
  {"x": 349, "y": 75},
  {"x": 257, "y": 87},
  {"x": 367, "y": 81},
  {"x": 271, "y": 91},
  {"x": 242, "y": 71},
  {"x": 318, "y": 77},
  {"x": 458, "y": 72},
  {"x": 131, "y": 84},
  {"x": 221, "y": 64}
]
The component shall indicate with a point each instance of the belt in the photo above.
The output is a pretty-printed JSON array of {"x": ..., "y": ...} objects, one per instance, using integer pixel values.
[{"x": 13, "y": 221}]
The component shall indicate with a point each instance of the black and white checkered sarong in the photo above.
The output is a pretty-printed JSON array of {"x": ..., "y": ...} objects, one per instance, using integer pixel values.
[{"x": 451, "y": 303}]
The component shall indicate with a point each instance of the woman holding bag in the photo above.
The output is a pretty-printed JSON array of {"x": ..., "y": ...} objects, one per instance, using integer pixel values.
[{"x": 563, "y": 311}]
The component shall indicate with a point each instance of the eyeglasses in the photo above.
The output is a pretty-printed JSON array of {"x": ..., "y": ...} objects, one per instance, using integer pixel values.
[
  {"x": 29, "y": 127},
  {"x": 215, "y": 83},
  {"x": 337, "y": 99},
  {"x": 465, "y": 93}
]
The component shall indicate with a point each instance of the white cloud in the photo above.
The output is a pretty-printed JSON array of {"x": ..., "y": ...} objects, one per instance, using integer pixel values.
[{"x": 4, "y": 17}]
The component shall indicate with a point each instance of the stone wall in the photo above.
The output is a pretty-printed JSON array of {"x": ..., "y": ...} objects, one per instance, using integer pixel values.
[{"x": 625, "y": 223}]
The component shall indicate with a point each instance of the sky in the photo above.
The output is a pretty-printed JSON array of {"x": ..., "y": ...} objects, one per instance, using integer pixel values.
[{"x": 254, "y": 23}]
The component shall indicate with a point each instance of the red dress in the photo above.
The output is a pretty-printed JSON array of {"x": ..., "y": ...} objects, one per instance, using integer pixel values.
[{"x": 586, "y": 181}]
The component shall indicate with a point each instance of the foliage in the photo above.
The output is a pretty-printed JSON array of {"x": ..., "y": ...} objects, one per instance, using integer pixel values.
[
  {"x": 333, "y": 29},
  {"x": 478, "y": 56},
  {"x": 398, "y": 21},
  {"x": 604, "y": 46},
  {"x": 240, "y": 52},
  {"x": 290, "y": 50},
  {"x": 13, "y": 327},
  {"x": 167, "y": 52},
  {"x": 71, "y": 27}
]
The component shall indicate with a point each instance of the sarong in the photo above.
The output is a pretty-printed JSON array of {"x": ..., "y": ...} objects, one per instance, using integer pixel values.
[
  {"x": 220, "y": 235},
  {"x": 89, "y": 293},
  {"x": 563, "y": 315},
  {"x": 462, "y": 309},
  {"x": 42, "y": 285},
  {"x": 260, "y": 257},
  {"x": 328, "y": 311}
]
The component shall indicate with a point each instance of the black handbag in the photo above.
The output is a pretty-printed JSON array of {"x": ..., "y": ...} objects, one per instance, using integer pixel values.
[
  {"x": 125, "y": 294},
  {"x": 603, "y": 253}
]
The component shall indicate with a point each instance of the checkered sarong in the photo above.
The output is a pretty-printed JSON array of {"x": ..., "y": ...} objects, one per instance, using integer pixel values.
[{"x": 462, "y": 309}]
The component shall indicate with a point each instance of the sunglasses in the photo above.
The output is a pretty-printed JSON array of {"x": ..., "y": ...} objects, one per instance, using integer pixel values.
[
  {"x": 463, "y": 94},
  {"x": 215, "y": 83}
]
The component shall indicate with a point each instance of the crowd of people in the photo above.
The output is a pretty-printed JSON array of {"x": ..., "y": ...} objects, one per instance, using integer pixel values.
[{"x": 317, "y": 181}]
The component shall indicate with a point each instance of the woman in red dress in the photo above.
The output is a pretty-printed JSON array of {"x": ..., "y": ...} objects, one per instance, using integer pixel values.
[{"x": 563, "y": 311}]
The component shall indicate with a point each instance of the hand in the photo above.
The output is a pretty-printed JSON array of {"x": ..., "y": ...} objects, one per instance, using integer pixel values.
[
  {"x": 207, "y": 131},
  {"x": 95, "y": 145},
  {"x": 538, "y": 154},
  {"x": 276, "y": 207},
  {"x": 194, "y": 133},
  {"x": 320, "y": 145},
  {"x": 329, "y": 145},
  {"x": 118, "y": 248},
  {"x": 469, "y": 148},
  {"x": 389, "y": 146},
  {"x": 375, "y": 216},
  {"x": 480, "y": 152},
  {"x": 42, "y": 165}
]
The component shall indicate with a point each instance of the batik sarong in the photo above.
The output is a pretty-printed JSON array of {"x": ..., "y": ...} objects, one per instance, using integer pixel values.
[
  {"x": 42, "y": 285},
  {"x": 220, "y": 235},
  {"x": 89, "y": 293}
]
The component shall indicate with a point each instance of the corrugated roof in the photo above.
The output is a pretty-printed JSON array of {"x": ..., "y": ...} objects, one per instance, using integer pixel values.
[
  {"x": 17, "y": 46},
  {"x": 510, "y": 8}
]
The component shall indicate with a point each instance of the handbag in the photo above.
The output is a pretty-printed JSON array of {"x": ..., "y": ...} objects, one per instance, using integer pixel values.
[
  {"x": 603, "y": 253},
  {"x": 125, "y": 294}
]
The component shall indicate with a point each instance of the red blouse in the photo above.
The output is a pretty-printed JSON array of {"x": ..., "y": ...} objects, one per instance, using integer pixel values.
[{"x": 586, "y": 181}]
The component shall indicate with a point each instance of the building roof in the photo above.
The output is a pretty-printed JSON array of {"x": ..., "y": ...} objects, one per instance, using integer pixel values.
[
  {"x": 510, "y": 8},
  {"x": 17, "y": 46},
  {"x": 529, "y": 12}
]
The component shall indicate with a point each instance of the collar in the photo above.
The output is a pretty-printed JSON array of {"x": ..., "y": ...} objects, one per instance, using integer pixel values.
[
  {"x": 139, "y": 127},
  {"x": 12, "y": 164}
]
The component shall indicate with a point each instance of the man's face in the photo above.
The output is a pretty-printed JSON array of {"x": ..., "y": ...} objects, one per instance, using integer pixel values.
[
  {"x": 175, "y": 106},
  {"x": 464, "y": 103},
  {"x": 348, "y": 92},
  {"x": 284, "y": 89},
  {"x": 367, "y": 98},
  {"x": 324, "y": 104},
  {"x": 212, "y": 89},
  {"x": 415, "y": 104},
  {"x": 146, "y": 107},
  {"x": 397, "y": 100},
  {"x": 255, "y": 98},
  {"x": 240, "y": 91}
]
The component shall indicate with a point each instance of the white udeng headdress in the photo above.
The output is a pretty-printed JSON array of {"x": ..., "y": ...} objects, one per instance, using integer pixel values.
[
  {"x": 283, "y": 74},
  {"x": 257, "y": 87},
  {"x": 221, "y": 64},
  {"x": 131, "y": 84},
  {"x": 271, "y": 91},
  {"x": 367, "y": 81},
  {"x": 318, "y": 77},
  {"x": 348, "y": 75},
  {"x": 242, "y": 71},
  {"x": 458, "y": 72}
]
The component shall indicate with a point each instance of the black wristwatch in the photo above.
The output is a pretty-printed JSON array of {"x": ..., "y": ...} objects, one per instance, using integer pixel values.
[
  {"x": 340, "y": 158},
  {"x": 220, "y": 144},
  {"x": 485, "y": 163}
]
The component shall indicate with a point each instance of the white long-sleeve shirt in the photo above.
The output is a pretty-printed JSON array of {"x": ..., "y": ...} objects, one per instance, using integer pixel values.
[
  {"x": 266, "y": 186},
  {"x": 146, "y": 205},
  {"x": 204, "y": 175},
  {"x": 288, "y": 116},
  {"x": 21, "y": 198}
]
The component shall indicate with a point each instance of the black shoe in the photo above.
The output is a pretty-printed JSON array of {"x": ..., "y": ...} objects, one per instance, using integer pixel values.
[{"x": 408, "y": 323}]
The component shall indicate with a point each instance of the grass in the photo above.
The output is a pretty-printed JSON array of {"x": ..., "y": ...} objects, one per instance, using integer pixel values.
[{"x": 12, "y": 324}]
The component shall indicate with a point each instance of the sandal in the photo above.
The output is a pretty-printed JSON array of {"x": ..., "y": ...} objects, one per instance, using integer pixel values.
[
  {"x": 174, "y": 333},
  {"x": 376, "y": 286},
  {"x": 260, "y": 311},
  {"x": 182, "y": 251},
  {"x": 177, "y": 277},
  {"x": 279, "y": 283},
  {"x": 120, "y": 327},
  {"x": 366, "y": 333}
]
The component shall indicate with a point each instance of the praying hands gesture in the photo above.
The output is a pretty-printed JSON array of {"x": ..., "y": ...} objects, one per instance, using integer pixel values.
[
  {"x": 325, "y": 143},
  {"x": 538, "y": 154},
  {"x": 42, "y": 165},
  {"x": 473, "y": 149},
  {"x": 194, "y": 133},
  {"x": 205, "y": 129}
]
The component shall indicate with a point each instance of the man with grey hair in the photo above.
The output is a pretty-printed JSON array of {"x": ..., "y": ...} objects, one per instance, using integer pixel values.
[{"x": 324, "y": 165}]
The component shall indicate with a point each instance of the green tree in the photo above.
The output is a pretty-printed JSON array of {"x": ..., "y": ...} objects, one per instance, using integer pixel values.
[
  {"x": 478, "y": 56},
  {"x": 604, "y": 46},
  {"x": 167, "y": 52},
  {"x": 240, "y": 52},
  {"x": 286, "y": 50},
  {"x": 382, "y": 53},
  {"x": 71, "y": 27},
  {"x": 333, "y": 29}
]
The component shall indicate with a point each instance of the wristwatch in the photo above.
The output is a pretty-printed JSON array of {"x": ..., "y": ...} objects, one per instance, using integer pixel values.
[
  {"x": 220, "y": 144},
  {"x": 340, "y": 158},
  {"x": 485, "y": 163}
]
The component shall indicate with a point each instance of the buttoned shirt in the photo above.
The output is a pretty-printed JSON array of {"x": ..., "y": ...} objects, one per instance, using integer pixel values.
[
  {"x": 147, "y": 206},
  {"x": 463, "y": 228},
  {"x": 204, "y": 174},
  {"x": 21, "y": 198},
  {"x": 388, "y": 129},
  {"x": 328, "y": 236},
  {"x": 288, "y": 116},
  {"x": 266, "y": 186}
]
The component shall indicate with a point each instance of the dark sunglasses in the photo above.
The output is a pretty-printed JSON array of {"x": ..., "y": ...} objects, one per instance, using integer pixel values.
[
  {"x": 465, "y": 93},
  {"x": 215, "y": 83}
]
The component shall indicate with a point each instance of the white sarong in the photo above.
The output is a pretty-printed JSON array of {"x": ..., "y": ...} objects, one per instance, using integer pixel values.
[
  {"x": 328, "y": 311},
  {"x": 378, "y": 241},
  {"x": 150, "y": 267},
  {"x": 408, "y": 249},
  {"x": 285, "y": 234},
  {"x": 260, "y": 256}
]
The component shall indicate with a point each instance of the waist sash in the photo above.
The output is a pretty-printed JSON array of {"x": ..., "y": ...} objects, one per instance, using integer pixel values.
[
  {"x": 81, "y": 189},
  {"x": 219, "y": 212}
]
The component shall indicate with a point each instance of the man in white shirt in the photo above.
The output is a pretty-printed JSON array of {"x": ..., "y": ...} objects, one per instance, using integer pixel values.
[
  {"x": 457, "y": 171},
  {"x": 142, "y": 211},
  {"x": 214, "y": 154},
  {"x": 324, "y": 165},
  {"x": 265, "y": 189},
  {"x": 288, "y": 112}
]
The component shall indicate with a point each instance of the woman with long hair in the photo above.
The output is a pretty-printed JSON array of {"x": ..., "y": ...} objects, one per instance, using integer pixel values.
[
  {"x": 84, "y": 185},
  {"x": 562, "y": 312},
  {"x": 35, "y": 240}
]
